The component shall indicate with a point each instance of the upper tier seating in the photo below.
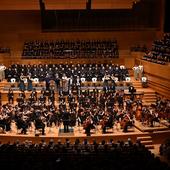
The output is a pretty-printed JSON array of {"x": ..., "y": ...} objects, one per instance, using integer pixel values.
[
  {"x": 70, "y": 49},
  {"x": 160, "y": 52}
]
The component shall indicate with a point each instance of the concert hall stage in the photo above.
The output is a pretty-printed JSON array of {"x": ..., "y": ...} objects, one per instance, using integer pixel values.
[
  {"x": 157, "y": 127},
  {"x": 56, "y": 133}
]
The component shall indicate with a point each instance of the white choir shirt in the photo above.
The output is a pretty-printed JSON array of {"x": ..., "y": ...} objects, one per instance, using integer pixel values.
[
  {"x": 135, "y": 68},
  {"x": 141, "y": 68},
  {"x": 2, "y": 67},
  {"x": 122, "y": 67}
]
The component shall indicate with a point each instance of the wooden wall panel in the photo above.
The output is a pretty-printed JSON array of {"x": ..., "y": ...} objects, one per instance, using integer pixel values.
[
  {"x": 157, "y": 70},
  {"x": 112, "y": 4},
  {"x": 158, "y": 76},
  {"x": 65, "y": 4},
  {"x": 19, "y": 5}
]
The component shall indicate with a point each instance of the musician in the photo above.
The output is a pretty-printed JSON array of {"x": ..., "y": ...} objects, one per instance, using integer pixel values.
[
  {"x": 154, "y": 117},
  {"x": 21, "y": 83},
  {"x": 107, "y": 121},
  {"x": 5, "y": 120},
  {"x": 21, "y": 97},
  {"x": 120, "y": 97},
  {"x": 43, "y": 91},
  {"x": 22, "y": 122},
  {"x": 25, "y": 123},
  {"x": 113, "y": 87},
  {"x": 2, "y": 72},
  {"x": 10, "y": 96},
  {"x": 47, "y": 81},
  {"x": 57, "y": 81},
  {"x": 42, "y": 98},
  {"x": 29, "y": 80},
  {"x": 140, "y": 67},
  {"x": 33, "y": 96},
  {"x": 87, "y": 125},
  {"x": 66, "y": 120},
  {"x": 129, "y": 104},
  {"x": 132, "y": 89},
  {"x": 51, "y": 117},
  {"x": 127, "y": 121},
  {"x": 65, "y": 84},
  {"x": 106, "y": 79},
  {"x": 136, "y": 72},
  {"x": 40, "y": 123},
  {"x": 51, "y": 97}
]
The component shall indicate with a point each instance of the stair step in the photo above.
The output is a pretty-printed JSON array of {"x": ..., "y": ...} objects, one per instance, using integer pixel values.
[
  {"x": 149, "y": 100},
  {"x": 136, "y": 84},
  {"x": 141, "y": 138},
  {"x": 149, "y": 146},
  {"x": 131, "y": 129},
  {"x": 147, "y": 142},
  {"x": 148, "y": 103},
  {"x": 150, "y": 93},
  {"x": 153, "y": 96}
]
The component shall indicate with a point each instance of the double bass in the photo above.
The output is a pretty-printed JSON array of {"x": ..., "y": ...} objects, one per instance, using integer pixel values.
[
  {"x": 87, "y": 125},
  {"x": 126, "y": 121},
  {"x": 107, "y": 121},
  {"x": 104, "y": 123}
]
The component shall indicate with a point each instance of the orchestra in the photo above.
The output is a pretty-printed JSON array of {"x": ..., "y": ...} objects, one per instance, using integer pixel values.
[
  {"x": 90, "y": 111},
  {"x": 89, "y": 108}
]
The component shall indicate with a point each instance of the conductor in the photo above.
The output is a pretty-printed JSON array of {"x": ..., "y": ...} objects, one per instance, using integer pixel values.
[{"x": 66, "y": 121}]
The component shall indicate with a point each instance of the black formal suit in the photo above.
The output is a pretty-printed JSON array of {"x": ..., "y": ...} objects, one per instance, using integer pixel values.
[{"x": 66, "y": 119}]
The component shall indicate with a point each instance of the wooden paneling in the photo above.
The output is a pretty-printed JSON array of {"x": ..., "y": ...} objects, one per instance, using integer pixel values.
[
  {"x": 65, "y": 4},
  {"x": 19, "y": 5},
  {"x": 158, "y": 76},
  {"x": 157, "y": 70},
  {"x": 112, "y": 4}
]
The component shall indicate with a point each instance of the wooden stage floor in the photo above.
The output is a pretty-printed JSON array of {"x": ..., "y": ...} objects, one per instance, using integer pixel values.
[{"x": 56, "y": 133}]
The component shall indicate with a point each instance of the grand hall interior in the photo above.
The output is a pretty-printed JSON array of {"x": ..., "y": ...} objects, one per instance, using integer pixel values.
[{"x": 85, "y": 84}]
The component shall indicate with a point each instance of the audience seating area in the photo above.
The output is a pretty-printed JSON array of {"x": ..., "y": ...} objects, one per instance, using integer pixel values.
[
  {"x": 70, "y": 49},
  {"x": 160, "y": 52},
  {"x": 110, "y": 155},
  {"x": 165, "y": 149}
]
